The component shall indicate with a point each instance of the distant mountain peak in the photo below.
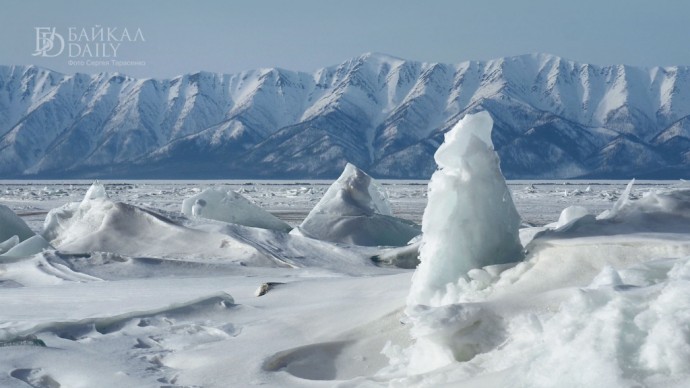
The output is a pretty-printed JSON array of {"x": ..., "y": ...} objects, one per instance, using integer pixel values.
[
  {"x": 554, "y": 117},
  {"x": 380, "y": 57}
]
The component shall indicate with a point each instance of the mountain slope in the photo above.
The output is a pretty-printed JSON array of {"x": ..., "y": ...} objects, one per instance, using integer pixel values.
[{"x": 554, "y": 118}]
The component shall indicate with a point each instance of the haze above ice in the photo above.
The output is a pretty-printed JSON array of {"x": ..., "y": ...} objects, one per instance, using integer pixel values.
[{"x": 219, "y": 36}]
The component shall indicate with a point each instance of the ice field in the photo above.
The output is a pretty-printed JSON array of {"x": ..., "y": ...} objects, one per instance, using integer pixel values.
[
  {"x": 310, "y": 283},
  {"x": 121, "y": 320},
  {"x": 539, "y": 202}
]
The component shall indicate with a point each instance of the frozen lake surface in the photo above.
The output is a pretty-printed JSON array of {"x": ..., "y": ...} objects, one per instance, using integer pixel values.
[
  {"x": 137, "y": 294},
  {"x": 539, "y": 202}
]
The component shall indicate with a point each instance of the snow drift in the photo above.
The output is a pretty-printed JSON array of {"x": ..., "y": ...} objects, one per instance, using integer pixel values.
[
  {"x": 355, "y": 210},
  {"x": 99, "y": 224}
]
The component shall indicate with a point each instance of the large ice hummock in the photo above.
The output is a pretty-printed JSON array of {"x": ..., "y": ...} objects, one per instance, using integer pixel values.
[
  {"x": 228, "y": 206},
  {"x": 77, "y": 217},
  {"x": 11, "y": 225},
  {"x": 355, "y": 210},
  {"x": 470, "y": 220}
]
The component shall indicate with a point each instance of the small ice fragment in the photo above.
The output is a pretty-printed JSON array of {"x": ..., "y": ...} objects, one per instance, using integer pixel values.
[
  {"x": 265, "y": 287},
  {"x": 96, "y": 191},
  {"x": 570, "y": 214}
]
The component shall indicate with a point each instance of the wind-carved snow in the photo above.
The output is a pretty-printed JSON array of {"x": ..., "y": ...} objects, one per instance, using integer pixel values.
[{"x": 99, "y": 224}]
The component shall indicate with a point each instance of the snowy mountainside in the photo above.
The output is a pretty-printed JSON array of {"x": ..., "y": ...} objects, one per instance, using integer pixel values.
[{"x": 554, "y": 118}]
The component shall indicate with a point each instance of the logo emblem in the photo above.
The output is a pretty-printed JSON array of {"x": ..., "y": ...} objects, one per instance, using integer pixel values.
[{"x": 48, "y": 42}]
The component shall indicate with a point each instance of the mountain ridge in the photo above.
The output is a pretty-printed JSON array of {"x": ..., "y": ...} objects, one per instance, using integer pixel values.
[{"x": 554, "y": 118}]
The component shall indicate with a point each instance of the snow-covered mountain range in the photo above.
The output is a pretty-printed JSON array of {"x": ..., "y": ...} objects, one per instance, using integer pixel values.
[{"x": 554, "y": 118}]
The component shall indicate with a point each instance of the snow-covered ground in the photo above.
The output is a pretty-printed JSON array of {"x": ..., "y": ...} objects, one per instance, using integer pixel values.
[{"x": 138, "y": 294}]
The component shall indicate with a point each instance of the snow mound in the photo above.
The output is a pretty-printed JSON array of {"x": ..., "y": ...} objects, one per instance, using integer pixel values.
[
  {"x": 470, "y": 220},
  {"x": 228, "y": 206},
  {"x": 674, "y": 202},
  {"x": 297, "y": 251},
  {"x": 571, "y": 214},
  {"x": 656, "y": 212},
  {"x": 355, "y": 210},
  {"x": 60, "y": 219},
  {"x": 654, "y": 226},
  {"x": 624, "y": 328},
  {"x": 98, "y": 224}
]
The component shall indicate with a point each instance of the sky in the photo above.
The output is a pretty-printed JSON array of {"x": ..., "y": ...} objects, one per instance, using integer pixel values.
[{"x": 179, "y": 37}]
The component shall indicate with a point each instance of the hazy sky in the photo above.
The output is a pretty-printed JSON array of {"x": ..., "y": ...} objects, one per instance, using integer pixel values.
[{"x": 230, "y": 36}]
